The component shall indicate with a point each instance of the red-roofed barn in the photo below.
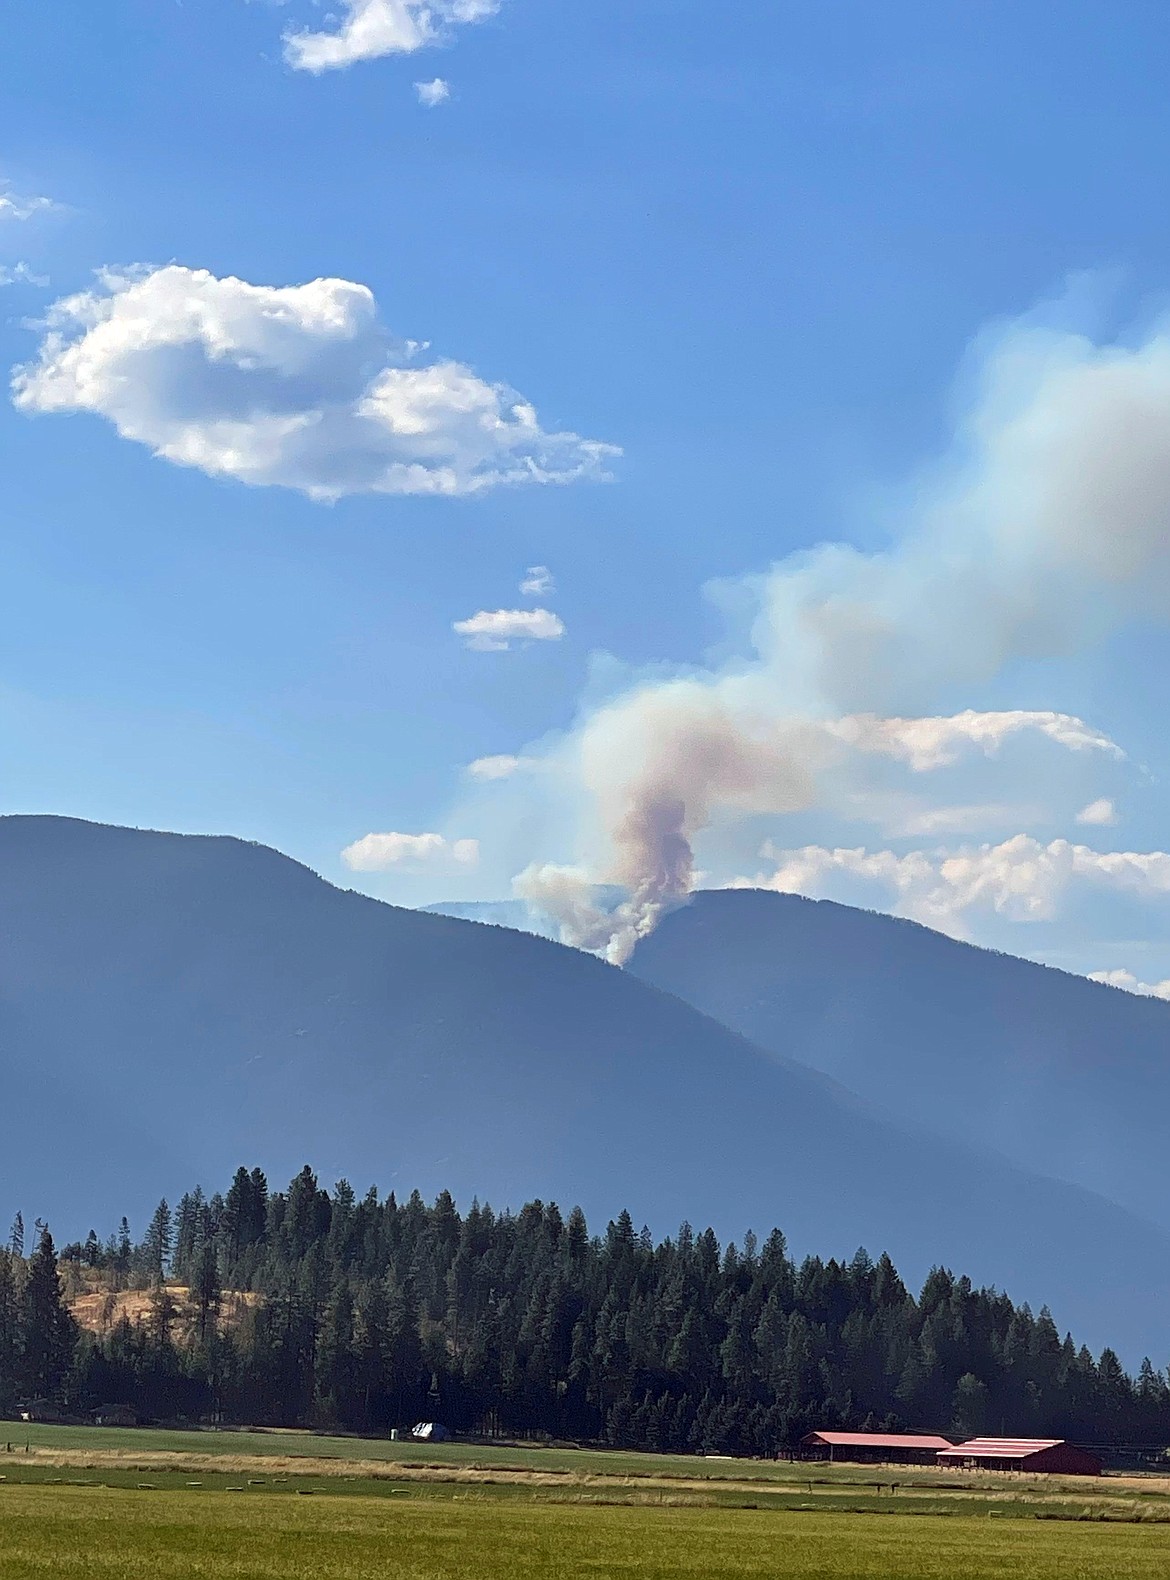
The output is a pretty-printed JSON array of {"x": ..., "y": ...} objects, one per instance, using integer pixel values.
[
  {"x": 1039, "y": 1454},
  {"x": 874, "y": 1448}
]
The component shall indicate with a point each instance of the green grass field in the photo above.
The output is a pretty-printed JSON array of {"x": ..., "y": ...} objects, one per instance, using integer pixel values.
[
  {"x": 229, "y": 1506},
  {"x": 310, "y": 1445},
  {"x": 142, "y": 1440},
  {"x": 82, "y": 1533}
]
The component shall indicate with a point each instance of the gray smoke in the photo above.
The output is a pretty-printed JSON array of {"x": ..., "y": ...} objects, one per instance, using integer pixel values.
[{"x": 1047, "y": 525}]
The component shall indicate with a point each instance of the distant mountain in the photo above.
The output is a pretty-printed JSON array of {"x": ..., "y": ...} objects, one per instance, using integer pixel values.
[
  {"x": 171, "y": 1006},
  {"x": 497, "y": 913},
  {"x": 1063, "y": 1075},
  {"x": 518, "y": 914}
]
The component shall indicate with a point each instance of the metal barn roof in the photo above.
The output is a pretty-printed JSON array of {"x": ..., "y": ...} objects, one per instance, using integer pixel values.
[
  {"x": 1002, "y": 1447},
  {"x": 878, "y": 1440}
]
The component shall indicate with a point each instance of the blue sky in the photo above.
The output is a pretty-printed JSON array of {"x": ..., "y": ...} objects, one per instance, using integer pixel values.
[{"x": 768, "y": 257}]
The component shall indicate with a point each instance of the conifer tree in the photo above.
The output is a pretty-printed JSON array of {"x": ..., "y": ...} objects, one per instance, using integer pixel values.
[
  {"x": 47, "y": 1331},
  {"x": 156, "y": 1247},
  {"x": 206, "y": 1287},
  {"x": 10, "y": 1327}
]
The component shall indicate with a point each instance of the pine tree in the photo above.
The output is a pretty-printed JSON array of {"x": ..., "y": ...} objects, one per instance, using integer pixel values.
[
  {"x": 124, "y": 1252},
  {"x": 9, "y": 1335},
  {"x": 206, "y": 1286},
  {"x": 47, "y": 1330},
  {"x": 969, "y": 1406},
  {"x": 336, "y": 1361},
  {"x": 156, "y": 1247},
  {"x": 163, "y": 1313}
]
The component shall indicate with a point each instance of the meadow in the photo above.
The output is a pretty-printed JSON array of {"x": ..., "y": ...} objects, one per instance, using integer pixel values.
[
  {"x": 86, "y": 1502},
  {"x": 89, "y": 1533}
]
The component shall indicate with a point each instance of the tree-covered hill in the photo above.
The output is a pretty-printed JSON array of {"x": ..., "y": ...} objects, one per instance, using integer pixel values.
[{"x": 367, "y": 1314}]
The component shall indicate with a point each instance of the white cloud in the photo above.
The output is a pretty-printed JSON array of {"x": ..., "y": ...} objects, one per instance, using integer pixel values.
[
  {"x": 432, "y": 94},
  {"x": 381, "y": 852},
  {"x": 22, "y": 274},
  {"x": 538, "y": 582},
  {"x": 1020, "y": 879},
  {"x": 297, "y": 386},
  {"x": 937, "y": 742},
  {"x": 370, "y": 29},
  {"x": 1130, "y": 984},
  {"x": 494, "y": 630},
  {"x": 1098, "y": 814},
  {"x": 14, "y": 206},
  {"x": 928, "y": 822},
  {"x": 502, "y": 766}
]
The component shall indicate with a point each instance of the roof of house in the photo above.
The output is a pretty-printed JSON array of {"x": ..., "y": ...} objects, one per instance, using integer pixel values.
[
  {"x": 879, "y": 1440},
  {"x": 1002, "y": 1447}
]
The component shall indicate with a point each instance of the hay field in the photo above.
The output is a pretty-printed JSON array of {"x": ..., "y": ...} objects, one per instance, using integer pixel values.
[
  {"x": 298, "y": 1463},
  {"x": 321, "y": 1454},
  {"x": 97, "y": 1533}
]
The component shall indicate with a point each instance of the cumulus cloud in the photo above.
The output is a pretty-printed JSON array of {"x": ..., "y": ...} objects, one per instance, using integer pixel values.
[
  {"x": 370, "y": 29},
  {"x": 1021, "y": 879},
  {"x": 538, "y": 582},
  {"x": 1129, "y": 983},
  {"x": 494, "y": 630},
  {"x": 432, "y": 94},
  {"x": 22, "y": 274},
  {"x": 383, "y": 852},
  {"x": 15, "y": 206},
  {"x": 502, "y": 766},
  {"x": 1098, "y": 814},
  {"x": 298, "y": 386},
  {"x": 1044, "y": 527}
]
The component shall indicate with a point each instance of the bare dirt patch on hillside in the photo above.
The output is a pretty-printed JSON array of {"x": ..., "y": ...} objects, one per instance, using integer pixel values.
[{"x": 97, "y": 1309}]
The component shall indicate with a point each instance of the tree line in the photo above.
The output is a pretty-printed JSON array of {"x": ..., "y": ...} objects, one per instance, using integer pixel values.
[{"x": 368, "y": 1314}]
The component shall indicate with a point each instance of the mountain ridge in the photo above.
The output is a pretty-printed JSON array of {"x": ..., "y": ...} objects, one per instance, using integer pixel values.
[
  {"x": 200, "y": 1000},
  {"x": 1057, "y": 1072}
]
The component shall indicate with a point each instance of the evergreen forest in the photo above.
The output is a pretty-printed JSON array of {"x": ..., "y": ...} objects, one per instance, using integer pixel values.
[{"x": 315, "y": 1308}]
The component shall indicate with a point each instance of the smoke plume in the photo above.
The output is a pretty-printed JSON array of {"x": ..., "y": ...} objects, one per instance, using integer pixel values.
[{"x": 1045, "y": 526}]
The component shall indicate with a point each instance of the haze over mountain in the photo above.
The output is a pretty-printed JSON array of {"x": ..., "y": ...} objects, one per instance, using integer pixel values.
[
  {"x": 1064, "y": 1075},
  {"x": 516, "y": 914},
  {"x": 171, "y": 1006}
]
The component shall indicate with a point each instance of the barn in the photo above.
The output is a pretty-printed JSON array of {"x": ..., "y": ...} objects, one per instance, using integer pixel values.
[
  {"x": 1030, "y": 1454},
  {"x": 873, "y": 1448}
]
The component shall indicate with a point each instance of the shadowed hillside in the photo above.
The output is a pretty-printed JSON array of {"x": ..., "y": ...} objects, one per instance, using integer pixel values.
[
  {"x": 1062, "y": 1074},
  {"x": 200, "y": 1001}
]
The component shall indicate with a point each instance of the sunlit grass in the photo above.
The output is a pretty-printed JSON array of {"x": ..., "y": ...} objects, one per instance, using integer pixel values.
[{"x": 92, "y": 1532}]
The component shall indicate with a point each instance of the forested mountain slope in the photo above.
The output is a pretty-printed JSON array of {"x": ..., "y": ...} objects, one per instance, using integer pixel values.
[
  {"x": 201, "y": 1001},
  {"x": 1063, "y": 1075}
]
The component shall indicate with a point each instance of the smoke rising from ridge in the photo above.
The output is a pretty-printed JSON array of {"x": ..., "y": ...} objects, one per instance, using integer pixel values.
[{"x": 1046, "y": 526}]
